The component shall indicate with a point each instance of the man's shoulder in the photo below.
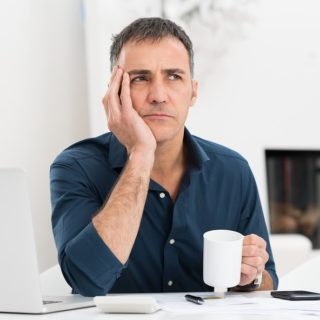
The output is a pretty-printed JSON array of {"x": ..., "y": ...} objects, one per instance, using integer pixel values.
[
  {"x": 217, "y": 151},
  {"x": 90, "y": 148}
]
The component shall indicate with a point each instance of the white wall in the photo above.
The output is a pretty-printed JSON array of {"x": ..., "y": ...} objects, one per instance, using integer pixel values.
[
  {"x": 43, "y": 100},
  {"x": 258, "y": 70}
]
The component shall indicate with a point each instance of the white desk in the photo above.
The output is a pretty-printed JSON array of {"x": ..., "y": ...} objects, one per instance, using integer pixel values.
[{"x": 94, "y": 314}]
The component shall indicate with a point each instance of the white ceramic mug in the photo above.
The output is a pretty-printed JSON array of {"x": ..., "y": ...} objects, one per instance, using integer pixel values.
[{"x": 222, "y": 254}]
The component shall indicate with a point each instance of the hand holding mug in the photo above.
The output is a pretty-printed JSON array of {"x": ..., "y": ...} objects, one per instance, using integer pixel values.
[{"x": 254, "y": 258}]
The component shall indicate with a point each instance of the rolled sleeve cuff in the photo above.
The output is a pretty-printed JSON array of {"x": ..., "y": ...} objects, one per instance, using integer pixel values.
[
  {"x": 274, "y": 277},
  {"x": 91, "y": 255}
]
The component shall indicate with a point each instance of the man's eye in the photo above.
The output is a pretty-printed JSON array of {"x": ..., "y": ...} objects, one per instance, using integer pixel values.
[
  {"x": 138, "y": 79},
  {"x": 174, "y": 77}
]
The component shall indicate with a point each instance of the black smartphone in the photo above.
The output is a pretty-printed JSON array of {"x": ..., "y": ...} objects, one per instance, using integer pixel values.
[{"x": 296, "y": 295}]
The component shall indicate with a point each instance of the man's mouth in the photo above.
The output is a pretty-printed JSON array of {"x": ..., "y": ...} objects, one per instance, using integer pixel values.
[{"x": 157, "y": 116}]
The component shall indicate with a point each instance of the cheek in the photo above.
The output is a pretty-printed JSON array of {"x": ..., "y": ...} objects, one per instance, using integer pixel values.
[
  {"x": 182, "y": 96},
  {"x": 137, "y": 97},
  {"x": 182, "y": 89}
]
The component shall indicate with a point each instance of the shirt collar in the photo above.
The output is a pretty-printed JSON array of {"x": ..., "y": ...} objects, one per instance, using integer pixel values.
[
  {"x": 118, "y": 153},
  {"x": 196, "y": 152}
]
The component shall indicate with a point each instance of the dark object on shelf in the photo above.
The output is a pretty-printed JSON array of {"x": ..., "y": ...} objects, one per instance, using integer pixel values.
[{"x": 293, "y": 178}]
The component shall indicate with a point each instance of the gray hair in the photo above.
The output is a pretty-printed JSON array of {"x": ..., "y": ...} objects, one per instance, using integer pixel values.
[{"x": 150, "y": 29}]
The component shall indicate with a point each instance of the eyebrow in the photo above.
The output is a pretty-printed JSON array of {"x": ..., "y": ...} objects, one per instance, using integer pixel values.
[{"x": 146, "y": 71}]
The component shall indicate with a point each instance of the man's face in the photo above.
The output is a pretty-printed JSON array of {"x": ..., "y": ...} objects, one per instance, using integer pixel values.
[{"x": 161, "y": 86}]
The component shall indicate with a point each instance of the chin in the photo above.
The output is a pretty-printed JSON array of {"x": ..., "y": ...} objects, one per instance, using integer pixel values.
[{"x": 163, "y": 135}]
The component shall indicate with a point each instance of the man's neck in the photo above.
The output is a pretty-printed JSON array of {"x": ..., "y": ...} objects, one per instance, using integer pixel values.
[
  {"x": 169, "y": 157},
  {"x": 170, "y": 165}
]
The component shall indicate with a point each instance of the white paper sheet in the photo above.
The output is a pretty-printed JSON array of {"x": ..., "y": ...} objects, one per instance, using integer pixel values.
[{"x": 239, "y": 304}]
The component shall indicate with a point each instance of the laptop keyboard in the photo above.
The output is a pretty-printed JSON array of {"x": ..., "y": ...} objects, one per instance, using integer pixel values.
[{"x": 50, "y": 301}]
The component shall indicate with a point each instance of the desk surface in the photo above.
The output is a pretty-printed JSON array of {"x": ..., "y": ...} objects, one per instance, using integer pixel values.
[{"x": 95, "y": 314}]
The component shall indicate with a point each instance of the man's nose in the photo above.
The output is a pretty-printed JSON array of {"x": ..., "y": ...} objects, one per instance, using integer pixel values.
[{"x": 157, "y": 91}]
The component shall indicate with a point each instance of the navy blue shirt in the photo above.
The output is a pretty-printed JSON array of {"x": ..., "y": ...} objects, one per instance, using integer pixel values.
[{"x": 218, "y": 191}]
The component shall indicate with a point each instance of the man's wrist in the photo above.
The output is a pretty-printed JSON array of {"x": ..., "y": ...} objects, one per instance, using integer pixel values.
[
  {"x": 142, "y": 158},
  {"x": 255, "y": 284}
]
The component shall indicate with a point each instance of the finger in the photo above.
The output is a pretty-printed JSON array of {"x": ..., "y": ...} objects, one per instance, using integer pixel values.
[
  {"x": 125, "y": 91},
  {"x": 111, "y": 100},
  {"x": 115, "y": 87},
  {"x": 254, "y": 251},
  {"x": 264, "y": 255},
  {"x": 255, "y": 262},
  {"x": 249, "y": 271},
  {"x": 112, "y": 78},
  {"x": 113, "y": 74},
  {"x": 253, "y": 239},
  {"x": 250, "y": 251}
]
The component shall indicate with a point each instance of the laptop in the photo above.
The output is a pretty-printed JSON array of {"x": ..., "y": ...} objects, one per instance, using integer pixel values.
[{"x": 19, "y": 276}]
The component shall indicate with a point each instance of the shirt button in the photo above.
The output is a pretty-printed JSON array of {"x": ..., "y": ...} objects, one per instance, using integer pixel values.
[
  {"x": 170, "y": 283},
  {"x": 172, "y": 241},
  {"x": 162, "y": 195}
]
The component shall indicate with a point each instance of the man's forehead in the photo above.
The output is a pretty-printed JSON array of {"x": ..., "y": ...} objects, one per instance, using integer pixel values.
[
  {"x": 168, "y": 51},
  {"x": 147, "y": 71}
]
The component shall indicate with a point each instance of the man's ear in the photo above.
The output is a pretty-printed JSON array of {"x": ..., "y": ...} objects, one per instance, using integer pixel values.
[{"x": 194, "y": 92}]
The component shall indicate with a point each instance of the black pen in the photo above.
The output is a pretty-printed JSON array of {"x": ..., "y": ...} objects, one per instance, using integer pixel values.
[{"x": 194, "y": 299}]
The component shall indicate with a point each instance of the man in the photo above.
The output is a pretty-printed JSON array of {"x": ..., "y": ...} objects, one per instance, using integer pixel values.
[{"x": 130, "y": 207}]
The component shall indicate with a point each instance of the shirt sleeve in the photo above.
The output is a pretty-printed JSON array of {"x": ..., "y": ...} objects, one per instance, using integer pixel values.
[
  {"x": 252, "y": 218},
  {"x": 87, "y": 263}
]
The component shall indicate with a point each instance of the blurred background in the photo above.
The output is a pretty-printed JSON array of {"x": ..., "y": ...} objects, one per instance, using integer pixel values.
[{"x": 258, "y": 67}]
